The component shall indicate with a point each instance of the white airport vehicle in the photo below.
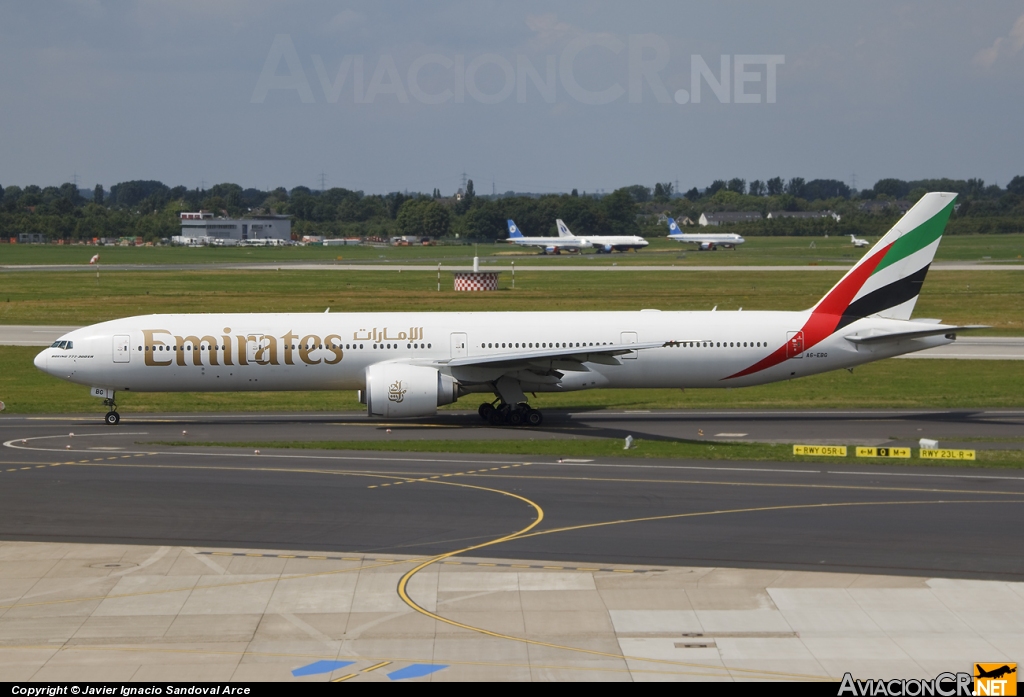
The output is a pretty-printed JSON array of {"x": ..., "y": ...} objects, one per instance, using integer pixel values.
[
  {"x": 603, "y": 243},
  {"x": 857, "y": 242},
  {"x": 705, "y": 241},
  {"x": 407, "y": 364},
  {"x": 548, "y": 245}
]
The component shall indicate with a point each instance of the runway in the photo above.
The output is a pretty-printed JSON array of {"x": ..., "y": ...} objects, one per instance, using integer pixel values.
[
  {"x": 486, "y": 265},
  {"x": 1004, "y": 348},
  {"x": 122, "y": 486}
]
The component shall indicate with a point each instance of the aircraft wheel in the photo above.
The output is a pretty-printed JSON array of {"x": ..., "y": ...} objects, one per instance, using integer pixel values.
[
  {"x": 112, "y": 418},
  {"x": 515, "y": 418},
  {"x": 534, "y": 418},
  {"x": 495, "y": 418},
  {"x": 485, "y": 410}
]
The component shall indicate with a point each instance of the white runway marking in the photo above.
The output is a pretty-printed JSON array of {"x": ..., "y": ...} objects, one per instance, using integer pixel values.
[{"x": 941, "y": 476}]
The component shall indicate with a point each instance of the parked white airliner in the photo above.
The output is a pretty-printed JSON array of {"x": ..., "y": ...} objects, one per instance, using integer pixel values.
[
  {"x": 409, "y": 363},
  {"x": 549, "y": 245},
  {"x": 603, "y": 243},
  {"x": 705, "y": 241}
]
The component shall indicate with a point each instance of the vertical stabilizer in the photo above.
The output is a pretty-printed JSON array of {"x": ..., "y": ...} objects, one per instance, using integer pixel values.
[
  {"x": 888, "y": 279},
  {"x": 886, "y": 282}
]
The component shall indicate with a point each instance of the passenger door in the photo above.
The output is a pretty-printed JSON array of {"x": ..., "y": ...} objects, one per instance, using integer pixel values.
[
  {"x": 795, "y": 345},
  {"x": 460, "y": 345},
  {"x": 122, "y": 348}
]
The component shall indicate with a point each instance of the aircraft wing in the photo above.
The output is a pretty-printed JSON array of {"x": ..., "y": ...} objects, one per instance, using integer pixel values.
[
  {"x": 883, "y": 337},
  {"x": 605, "y": 355}
]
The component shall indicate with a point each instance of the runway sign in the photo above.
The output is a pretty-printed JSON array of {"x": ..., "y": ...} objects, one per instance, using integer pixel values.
[
  {"x": 829, "y": 450},
  {"x": 946, "y": 454},
  {"x": 883, "y": 452}
]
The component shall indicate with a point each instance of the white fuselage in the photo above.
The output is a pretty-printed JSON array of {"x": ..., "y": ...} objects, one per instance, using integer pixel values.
[
  {"x": 724, "y": 239},
  {"x": 568, "y": 243},
  {"x": 616, "y": 242},
  {"x": 242, "y": 352}
]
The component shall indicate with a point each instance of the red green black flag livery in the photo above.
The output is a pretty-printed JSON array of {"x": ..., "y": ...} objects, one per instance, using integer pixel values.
[{"x": 884, "y": 283}]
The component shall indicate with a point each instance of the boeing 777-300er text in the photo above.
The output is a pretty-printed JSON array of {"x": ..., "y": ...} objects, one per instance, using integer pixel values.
[
  {"x": 407, "y": 364},
  {"x": 549, "y": 245},
  {"x": 704, "y": 240},
  {"x": 603, "y": 243}
]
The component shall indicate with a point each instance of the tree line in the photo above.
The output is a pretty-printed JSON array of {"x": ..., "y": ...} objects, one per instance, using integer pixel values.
[{"x": 150, "y": 209}]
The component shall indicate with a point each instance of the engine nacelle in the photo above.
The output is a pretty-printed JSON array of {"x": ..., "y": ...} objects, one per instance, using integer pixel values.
[
  {"x": 396, "y": 390},
  {"x": 608, "y": 249}
]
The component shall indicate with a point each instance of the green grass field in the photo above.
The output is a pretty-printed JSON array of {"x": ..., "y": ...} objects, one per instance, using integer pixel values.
[
  {"x": 994, "y": 298},
  {"x": 756, "y": 251},
  {"x": 607, "y": 447}
]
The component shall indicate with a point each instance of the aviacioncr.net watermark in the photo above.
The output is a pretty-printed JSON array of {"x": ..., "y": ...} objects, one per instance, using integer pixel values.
[{"x": 491, "y": 78}]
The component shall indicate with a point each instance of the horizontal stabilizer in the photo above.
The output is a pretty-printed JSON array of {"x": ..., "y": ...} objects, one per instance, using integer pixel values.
[{"x": 884, "y": 337}]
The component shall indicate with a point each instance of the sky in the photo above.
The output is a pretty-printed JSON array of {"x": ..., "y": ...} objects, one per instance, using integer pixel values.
[{"x": 530, "y": 96}]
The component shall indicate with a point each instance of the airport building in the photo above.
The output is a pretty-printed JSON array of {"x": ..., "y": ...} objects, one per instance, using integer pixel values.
[
  {"x": 201, "y": 228},
  {"x": 727, "y": 218}
]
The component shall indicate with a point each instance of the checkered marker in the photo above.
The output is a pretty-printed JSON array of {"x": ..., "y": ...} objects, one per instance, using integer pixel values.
[{"x": 472, "y": 281}]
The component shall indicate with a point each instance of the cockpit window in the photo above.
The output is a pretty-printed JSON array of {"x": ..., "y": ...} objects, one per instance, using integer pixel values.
[
  {"x": 57, "y": 344},
  {"x": 62, "y": 345}
]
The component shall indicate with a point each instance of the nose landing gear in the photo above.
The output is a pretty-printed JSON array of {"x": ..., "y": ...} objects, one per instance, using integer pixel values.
[{"x": 112, "y": 418}]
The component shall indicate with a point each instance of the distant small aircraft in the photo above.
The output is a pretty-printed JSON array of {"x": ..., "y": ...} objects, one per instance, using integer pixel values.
[
  {"x": 709, "y": 241},
  {"x": 857, "y": 242}
]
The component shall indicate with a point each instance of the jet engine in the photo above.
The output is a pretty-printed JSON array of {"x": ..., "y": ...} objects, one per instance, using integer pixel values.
[
  {"x": 551, "y": 250},
  {"x": 608, "y": 249},
  {"x": 395, "y": 390}
]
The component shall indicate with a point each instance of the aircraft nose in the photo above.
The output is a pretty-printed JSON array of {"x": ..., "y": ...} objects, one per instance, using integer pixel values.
[{"x": 40, "y": 360}]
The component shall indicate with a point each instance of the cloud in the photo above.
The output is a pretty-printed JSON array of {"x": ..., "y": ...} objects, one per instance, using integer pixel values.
[
  {"x": 342, "y": 21},
  {"x": 986, "y": 57},
  {"x": 550, "y": 31},
  {"x": 1017, "y": 34},
  {"x": 1012, "y": 44}
]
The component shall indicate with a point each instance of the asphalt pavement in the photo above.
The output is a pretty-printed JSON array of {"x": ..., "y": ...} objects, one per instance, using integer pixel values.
[{"x": 125, "y": 485}]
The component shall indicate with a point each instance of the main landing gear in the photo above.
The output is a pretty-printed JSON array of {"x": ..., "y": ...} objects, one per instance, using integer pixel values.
[
  {"x": 507, "y": 415},
  {"x": 112, "y": 418}
]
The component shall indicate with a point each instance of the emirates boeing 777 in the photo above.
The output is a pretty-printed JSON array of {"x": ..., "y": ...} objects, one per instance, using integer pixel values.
[{"x": 407, "y": 364}]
